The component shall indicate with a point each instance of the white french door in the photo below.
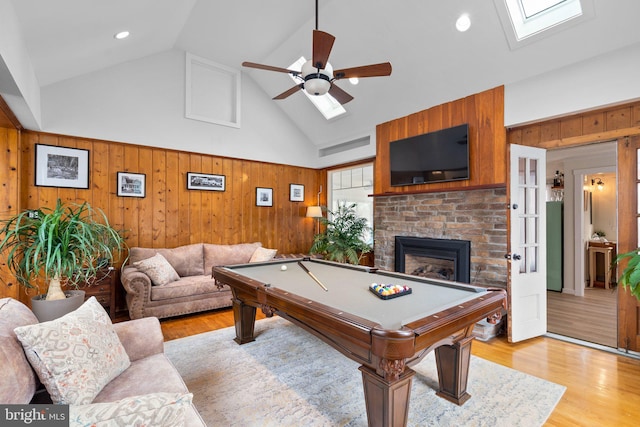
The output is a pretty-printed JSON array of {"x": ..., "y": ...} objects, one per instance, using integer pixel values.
[{"x": 527, "y": 287}]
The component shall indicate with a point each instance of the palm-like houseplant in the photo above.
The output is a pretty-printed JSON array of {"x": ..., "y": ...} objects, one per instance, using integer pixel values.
[
  {"x": 630, "y": 276},
  {"x": 343, "y": 238},
  {"x": 69, "y": 244}
]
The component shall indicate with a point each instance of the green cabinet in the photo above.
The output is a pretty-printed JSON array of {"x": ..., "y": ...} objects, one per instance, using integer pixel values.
[{"x": 554, "y": 246}]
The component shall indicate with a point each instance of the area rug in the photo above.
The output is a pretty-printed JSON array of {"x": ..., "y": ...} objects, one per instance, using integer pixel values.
[{"x": 288, "y": 377}]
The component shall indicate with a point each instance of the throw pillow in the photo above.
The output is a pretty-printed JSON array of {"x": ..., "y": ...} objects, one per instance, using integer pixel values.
[
  {"x": 263, "y": 254},
  {"x": 156, "y": 409},
  {"x": 76, "y": 355},
  {"x": 158, "y": 269}
]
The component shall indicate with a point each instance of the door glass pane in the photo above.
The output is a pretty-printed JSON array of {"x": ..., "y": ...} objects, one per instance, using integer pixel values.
[
  {"x": 532, "y": 231},
  {"x": 523, "y": 231},
  {"x": 522, "y": 200},
  {"x": 533, "y": 259},
  {"x": 523, "y": 261},
  {"x": 532, "y": 201},
  {"x": 533, "y": 172},
  {"x": 522, "y": 162}
]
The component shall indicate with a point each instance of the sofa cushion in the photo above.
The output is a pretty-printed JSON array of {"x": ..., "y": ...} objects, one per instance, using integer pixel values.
[
  {"x": 158, "y": 269},
  {"x": 185, "y": 287},
  {"x": 18, "y": 380},
  {"x": 76, "y": 355},
  {"x": 187, "y": 260},
  {"x": 155, "y": 409},
  {"x": 215, "y": 255},
  {"x": 263, "y": 254}
]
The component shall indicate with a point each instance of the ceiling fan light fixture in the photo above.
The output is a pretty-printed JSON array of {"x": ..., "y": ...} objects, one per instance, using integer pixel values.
[
  {"x": 463, "y": 23},
  {"x": 317, "y": 81}
]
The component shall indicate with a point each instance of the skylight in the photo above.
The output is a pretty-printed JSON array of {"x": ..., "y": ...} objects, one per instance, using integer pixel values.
[
  {"x": 326, "y": 104},
  {"x": 528, "y": 19}
]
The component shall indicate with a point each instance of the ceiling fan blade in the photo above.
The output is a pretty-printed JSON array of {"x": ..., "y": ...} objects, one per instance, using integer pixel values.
[
  {"x": 269, "y": 68},
  {"x": 374, "y": 70},
  {"x": 322, "y": 44},
  {"x": 287, "y": 93},
  {"x": 340, "y": 95}
]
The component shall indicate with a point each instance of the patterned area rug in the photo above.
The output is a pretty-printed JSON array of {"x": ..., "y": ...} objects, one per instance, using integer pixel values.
[{"x": 288, "y": 377}]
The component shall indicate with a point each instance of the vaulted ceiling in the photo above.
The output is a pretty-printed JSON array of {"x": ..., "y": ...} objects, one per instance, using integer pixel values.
[{"x": 432, "y": 62}]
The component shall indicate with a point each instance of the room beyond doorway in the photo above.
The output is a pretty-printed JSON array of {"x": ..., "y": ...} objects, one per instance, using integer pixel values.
[{"x": 576, "y": 310}]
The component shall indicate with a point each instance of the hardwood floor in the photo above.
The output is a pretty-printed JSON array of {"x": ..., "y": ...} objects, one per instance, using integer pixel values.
[
  {"x": 603, "y": 389},
  {"x": 590, "y": 318}
]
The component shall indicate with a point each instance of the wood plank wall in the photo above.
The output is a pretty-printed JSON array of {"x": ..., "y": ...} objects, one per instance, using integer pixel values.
[
  {"x": 170, "y": 215},
  {"x": 585, "y": 128},
  {"x": 484, "y": 112},
  {"x": 9, "y": 196}
]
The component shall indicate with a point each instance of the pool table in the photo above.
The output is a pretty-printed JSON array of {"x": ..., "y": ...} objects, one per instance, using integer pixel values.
[{"x": 386, "y": 336}]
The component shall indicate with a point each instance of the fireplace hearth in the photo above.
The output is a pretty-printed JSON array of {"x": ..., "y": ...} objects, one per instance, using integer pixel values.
[{"x": 433, "y": 258}]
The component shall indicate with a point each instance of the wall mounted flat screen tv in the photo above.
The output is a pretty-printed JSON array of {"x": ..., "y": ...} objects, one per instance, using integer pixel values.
[{"x": 437, "y": 156}]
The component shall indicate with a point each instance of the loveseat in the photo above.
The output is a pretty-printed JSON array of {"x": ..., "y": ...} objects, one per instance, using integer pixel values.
[
  {"x": 170, "y": 282},
  {"x": 145, "y": 388}
]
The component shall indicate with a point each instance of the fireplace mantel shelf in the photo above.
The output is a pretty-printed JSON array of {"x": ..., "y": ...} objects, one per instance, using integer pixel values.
[{"x": 437, "y": 190}]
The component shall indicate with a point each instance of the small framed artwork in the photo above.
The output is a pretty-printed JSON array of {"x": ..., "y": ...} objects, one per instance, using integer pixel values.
[
  {"x": 205, "y": 181},
  {"x": 264, "y": 196},
  {"x": 62, "y": 166},
  {"x": 296, "y": 192},
  {"x": 131, "y": 184}
]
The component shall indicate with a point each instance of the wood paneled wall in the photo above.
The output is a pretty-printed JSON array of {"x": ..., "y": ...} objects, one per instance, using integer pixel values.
[
  {"x": 169, "y": 215},
  {"x": 9, "y": 196},
  {"x": 585, "y": 128},
  {"x": 484, "y": 112}
]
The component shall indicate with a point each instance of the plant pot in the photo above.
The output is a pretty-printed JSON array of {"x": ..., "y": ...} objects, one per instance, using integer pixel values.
[{"x": 50, "y": 310}]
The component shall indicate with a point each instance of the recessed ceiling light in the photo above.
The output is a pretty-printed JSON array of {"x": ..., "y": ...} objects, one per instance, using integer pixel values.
[
  {"x": 463, "y": 23},
  {"x": 354, "y": 80},
  {"x": 121, "y": 35}
]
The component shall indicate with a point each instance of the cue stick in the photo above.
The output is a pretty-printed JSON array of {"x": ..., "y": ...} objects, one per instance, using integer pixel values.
[{"x": 312, "y": 276}]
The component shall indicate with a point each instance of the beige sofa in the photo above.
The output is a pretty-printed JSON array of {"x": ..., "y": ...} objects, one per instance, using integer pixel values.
[
  {"x": 191, "y": 289},
  {"x": 149, "y": 375}
]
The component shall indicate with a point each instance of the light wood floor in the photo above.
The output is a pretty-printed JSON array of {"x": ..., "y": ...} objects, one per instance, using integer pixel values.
[
  {"x": 603, "y": 389},
  {"x": 590, "y": 318}
]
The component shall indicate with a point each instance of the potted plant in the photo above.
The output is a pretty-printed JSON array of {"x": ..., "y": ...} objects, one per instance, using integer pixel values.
[
  {"x": 68, "y": 245},
  {"x": 630, "y": 276},
  {"x": 343, "y": 238}
]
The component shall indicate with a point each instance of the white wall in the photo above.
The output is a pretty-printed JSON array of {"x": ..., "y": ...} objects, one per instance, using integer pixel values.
[
  {"x": 18, "y": 83},
  {"x": 606, "y": 80},
  {"x": 143, "y": 102}
]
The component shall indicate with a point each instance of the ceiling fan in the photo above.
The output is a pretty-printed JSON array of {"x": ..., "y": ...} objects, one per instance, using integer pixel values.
[{"x": 317, "y": 76}]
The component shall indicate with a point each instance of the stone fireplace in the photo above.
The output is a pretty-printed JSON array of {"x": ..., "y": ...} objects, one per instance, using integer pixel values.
[
  {"x": 478, "y": 216},
  {"x": 433, "y": 258}
]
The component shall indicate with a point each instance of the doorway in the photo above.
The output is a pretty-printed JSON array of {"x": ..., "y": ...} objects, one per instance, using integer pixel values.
[{"x": 577, "y": 310}]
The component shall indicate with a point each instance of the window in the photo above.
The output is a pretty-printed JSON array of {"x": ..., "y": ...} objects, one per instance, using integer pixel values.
[
  {"x": 353, "y": 185},
  {"x": 526, "y": 20},
  {"x": 326, "y": 104}
]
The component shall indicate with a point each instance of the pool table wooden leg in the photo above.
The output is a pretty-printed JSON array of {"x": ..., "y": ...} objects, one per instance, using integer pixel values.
[
  {"x": 244, "y": 317},
  {"x": 453, "y": 370},
  {"x": 387, "y": 402}
]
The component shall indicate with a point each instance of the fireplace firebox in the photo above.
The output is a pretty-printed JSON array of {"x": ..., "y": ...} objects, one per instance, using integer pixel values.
[{"x": 436, "y": 258}]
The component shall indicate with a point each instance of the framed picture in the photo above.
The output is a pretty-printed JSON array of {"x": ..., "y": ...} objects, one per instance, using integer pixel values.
[
  {"x": 296, "y": 192},
  {"x": 264, "y": 196},
  {"x": 205, "y": 181},
  {"x": 62, "y": 166},
  {"x": 131, "y": 184}
]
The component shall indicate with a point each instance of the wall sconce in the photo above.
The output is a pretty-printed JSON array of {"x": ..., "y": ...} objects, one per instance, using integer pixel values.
[
  {"x": 315, "y": 212},
  {"x": 598, "y": 183}
]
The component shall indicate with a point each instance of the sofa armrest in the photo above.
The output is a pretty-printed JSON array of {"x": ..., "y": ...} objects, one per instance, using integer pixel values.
[
  {"x": 138, "y": 287},
  {"x": 141, "y": 337}
]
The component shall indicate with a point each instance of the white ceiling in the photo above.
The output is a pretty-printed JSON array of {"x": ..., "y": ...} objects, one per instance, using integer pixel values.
[{"x": 432, "y": 62}]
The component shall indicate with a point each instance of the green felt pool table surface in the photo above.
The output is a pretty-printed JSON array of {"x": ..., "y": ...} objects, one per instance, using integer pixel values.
[{"x": 348, "y": 290}]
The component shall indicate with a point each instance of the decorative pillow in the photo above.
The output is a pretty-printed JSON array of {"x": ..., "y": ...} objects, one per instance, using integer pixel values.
[
  {"x": 158, "y": 269},
  {"x": 156, "y": 409},
  {"x": 76, "y": 355},
  {"x": 263, "y": 254}
]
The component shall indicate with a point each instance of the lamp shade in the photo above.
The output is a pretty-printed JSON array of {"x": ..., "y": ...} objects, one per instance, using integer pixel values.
[{"x": 314, "y": 212}]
